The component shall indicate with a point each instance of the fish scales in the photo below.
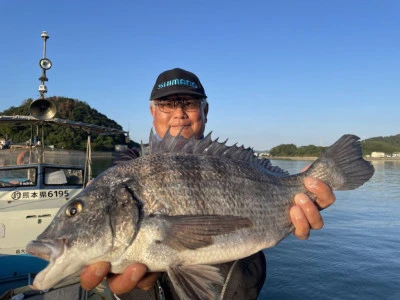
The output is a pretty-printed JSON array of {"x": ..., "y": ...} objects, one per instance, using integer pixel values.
[
  {"x": 184, "y": 206},
  {"x": 215, "y": 186}
]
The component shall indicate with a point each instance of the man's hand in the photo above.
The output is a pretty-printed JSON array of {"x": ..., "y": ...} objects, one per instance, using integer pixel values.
[
  {"x": 134, "y": 276},
  {"x": 305, "y": 214}
]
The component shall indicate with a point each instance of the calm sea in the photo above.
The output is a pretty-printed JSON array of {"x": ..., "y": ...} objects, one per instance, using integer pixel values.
[
  {"x": 355, "y": 256},
  {"x": 357, "y": 253}
]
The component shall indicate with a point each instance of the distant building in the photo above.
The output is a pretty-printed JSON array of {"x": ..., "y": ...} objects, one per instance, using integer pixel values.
[
  {"x": 396, "y": 154},
  {"x": 377, "y": 154}
]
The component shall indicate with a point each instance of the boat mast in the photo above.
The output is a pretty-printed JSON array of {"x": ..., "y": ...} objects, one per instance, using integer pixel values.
[{"x": 43, "y": 108}]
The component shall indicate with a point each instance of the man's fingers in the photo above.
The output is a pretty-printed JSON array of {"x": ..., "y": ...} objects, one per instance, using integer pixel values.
[
  {"x": 323, "y": 192},
  {"x": 300, "y": 223},
  {"x": 310, "y": 211},
  {"x": 93, "y": 274},
  {"x": 305, "y": 168},
  {"x": 134, "y": 276},
  {"x": 305, "y": 213},
  {"x": 128, "y": 280},
  {"x": 148, "y": 281}
]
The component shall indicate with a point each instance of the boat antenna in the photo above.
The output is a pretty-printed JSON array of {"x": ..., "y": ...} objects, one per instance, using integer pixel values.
[
  {"x": 45, "y": 64},
  {"x": 43, "y": 108}
]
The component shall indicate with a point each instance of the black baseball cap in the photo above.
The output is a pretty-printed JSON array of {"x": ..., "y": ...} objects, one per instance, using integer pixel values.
[{"x": 177, "y": 81}]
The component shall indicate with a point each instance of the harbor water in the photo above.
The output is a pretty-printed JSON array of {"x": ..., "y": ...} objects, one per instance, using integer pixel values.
[{"x": 355, "y": 255}]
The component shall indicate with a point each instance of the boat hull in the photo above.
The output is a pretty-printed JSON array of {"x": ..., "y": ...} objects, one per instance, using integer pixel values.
[{"x": 29, "y": 200}]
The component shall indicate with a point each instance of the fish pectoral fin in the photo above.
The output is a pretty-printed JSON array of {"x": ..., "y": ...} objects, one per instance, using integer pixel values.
[
  {"x": 195, "y": 282},
  {"x": 197, "y": 231}
]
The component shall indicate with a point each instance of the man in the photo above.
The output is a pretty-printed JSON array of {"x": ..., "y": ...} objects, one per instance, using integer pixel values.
[{"x": 178, "y": 103}]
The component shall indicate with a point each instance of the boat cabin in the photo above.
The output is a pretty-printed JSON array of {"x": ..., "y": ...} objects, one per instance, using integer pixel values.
[{"x": 17, "y": 181}]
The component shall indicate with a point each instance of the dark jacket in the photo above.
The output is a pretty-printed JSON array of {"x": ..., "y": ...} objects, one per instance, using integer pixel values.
[{"x": 244, "y": 278}]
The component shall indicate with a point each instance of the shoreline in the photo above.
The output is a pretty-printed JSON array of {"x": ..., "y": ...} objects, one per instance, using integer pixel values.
[
  {"x": 110, "y": 154},
  {"x": 7, "y": 152},
  {"x": 313, "y": 158}
]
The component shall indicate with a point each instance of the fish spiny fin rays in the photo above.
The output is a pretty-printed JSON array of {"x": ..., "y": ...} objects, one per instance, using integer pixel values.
[
  {"x": 342, "y": 166},
  {"x": 168, "y": 144},
  {"x": 195, "y": 282},
  {"x": 193, "y": 232},
  {"x": 207, "y": 146},
  {"x": 154, "y": 142}
]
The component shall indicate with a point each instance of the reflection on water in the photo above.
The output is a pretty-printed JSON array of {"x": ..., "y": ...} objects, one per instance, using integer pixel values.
[
  {"x": 292, "y": 166},
  {"x": 355, "y": 255},
  {"x": 386, "y": 180}
]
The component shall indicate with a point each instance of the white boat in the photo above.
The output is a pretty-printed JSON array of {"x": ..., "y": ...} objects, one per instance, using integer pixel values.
[
  {"x": 30, "y": 196},
  {"x": 32, "y": 190}
]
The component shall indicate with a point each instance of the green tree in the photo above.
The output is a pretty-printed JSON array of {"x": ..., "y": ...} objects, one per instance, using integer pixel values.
[
  {"x": 284, "y": 150},
  {"x": 375, "y": 146},
  {"x": 309, "y": 150},
  {"x": 64, "y": 137}
]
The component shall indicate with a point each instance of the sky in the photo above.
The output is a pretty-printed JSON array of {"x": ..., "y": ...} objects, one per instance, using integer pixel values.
[{"x": 275, "y": 72}]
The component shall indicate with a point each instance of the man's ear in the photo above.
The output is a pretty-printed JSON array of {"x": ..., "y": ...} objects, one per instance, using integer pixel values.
[
  {"x": 206, "y": 112},
  {"x": 152, "y": 110}
]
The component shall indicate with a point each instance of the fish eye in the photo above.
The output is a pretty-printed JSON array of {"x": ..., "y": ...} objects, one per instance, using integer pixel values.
[{"x": 74, "y": 209}]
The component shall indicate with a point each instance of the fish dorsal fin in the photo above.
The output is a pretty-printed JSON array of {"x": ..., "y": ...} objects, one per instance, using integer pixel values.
[
  {"x": 168, "y": 144},
  {"x": 195, "y": 282},
  {"x": 207, "y": 146}
]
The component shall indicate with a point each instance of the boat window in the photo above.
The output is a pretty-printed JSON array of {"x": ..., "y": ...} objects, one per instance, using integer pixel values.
[
  {"x": 63, "y": 176},
  {"x": 18, "y": 176}
]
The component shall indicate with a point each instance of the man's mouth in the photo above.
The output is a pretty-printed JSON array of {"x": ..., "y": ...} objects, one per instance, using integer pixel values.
[{"x": 180, "y": 125}]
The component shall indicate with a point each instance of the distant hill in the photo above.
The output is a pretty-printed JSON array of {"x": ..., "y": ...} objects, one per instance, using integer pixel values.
[
  {"x": 67, "y": 138},
  {"x": 387, "y": 144}
]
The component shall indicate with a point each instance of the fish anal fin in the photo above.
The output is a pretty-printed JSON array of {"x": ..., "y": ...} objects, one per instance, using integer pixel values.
[
  {"x": 197, "y": 231},
  {"x": 195, "y": 282}
]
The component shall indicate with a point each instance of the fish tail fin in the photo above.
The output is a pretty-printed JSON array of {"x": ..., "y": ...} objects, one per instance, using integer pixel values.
[{"x": 342, "y": 166}]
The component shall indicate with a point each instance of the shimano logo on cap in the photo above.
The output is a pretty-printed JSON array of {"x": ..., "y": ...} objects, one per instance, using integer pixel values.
[{"x": 177, "y": 82}]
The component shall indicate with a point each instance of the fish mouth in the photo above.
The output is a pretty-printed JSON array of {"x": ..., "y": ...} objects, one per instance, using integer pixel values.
[
  {"x": 47, "y": 250},
  {"x": 59, "y": 268}
]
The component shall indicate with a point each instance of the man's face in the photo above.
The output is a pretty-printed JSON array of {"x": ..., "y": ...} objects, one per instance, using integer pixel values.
[{"x": 177, "y": 111}]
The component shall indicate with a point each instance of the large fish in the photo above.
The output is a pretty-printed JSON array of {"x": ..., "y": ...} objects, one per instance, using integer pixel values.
[{"x": 184, "y": 206}]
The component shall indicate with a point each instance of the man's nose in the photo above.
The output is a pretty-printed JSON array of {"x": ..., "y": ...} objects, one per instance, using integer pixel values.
[
  {"x": 180, "y": 104},
  {"x": 179, "y": 111}
]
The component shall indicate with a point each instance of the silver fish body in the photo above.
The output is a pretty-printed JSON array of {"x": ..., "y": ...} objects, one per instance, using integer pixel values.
[{"x": 185, "y": 206}]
